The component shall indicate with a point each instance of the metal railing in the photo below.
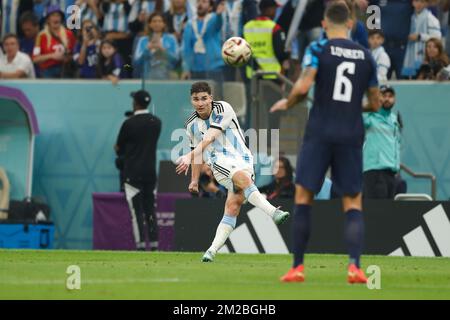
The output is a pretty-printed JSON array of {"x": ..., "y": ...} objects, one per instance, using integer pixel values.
[
  {"x": 286, "y": 86},
  {"x": 259, "y": 75},
  {"x": 422, "y": 175}
]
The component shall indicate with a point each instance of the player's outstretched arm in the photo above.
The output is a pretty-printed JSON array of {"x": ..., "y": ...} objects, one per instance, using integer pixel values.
[
  {"x": 373, "y": 100},
  {"x": 195, "y": 155},
  {"x": 299, "y": 92}
]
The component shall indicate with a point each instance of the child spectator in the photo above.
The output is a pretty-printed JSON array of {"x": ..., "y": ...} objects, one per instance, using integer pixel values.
[
  {"x": 423, "y": 27},
  {"x": 376, "y": 40},
  {"x": 157, "y": 53},
  {"x": 54, "y": 45},
  {"x": 435, "y": 60},
  {"x": 86, "y": 51},
  {"x": 109, "y": 62}
]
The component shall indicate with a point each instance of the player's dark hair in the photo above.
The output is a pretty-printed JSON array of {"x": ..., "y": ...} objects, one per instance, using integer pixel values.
[
  {"x": 337, "y": 12},
  {"x": 200, "y": 87}
]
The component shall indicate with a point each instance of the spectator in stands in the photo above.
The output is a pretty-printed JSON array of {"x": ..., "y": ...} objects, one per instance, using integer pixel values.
[
  {"x": 446, "y": 10},
  {"x": 208, "y": 185},
  {"x": 29, "y": 24},
  {"x": 15, "y": 64},
  {"x": 310, "y": 28},
  {"x": 235, "y": 15},
  {"x": 267, "y": 40},
  {"x": 110, "y": 62},
  {"x": 90, "y": 10},
  {"x": 435, "y": 60},
  {"x": 41, "y": 7},
  {"x": 115, "y": 26},
  {"x": 359, "y": 32},
  {"x": 87, "y": 49},
  {"x": 282, "y": 185},
  {"x": 381, "y": 151},
  {"x": 139, "y": 13},
  {"x": 54, "y": 45},
  {"x": 157, "y": 53},
  {"x": 202, "y": 44},
  {"x": 376, "y": 39},
  {"x": 423, "y": 27},
  {"x": 10, "y": 12},
  {"x": 176, "y": 18},
  {"x": 395, "y": 23}
]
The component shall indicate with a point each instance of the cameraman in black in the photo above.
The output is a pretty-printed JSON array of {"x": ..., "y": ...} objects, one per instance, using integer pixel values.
[{"x": 136, "y": 145}]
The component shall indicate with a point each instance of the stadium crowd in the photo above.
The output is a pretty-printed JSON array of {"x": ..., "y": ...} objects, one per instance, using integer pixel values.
[{"x": 181, "y": 39}]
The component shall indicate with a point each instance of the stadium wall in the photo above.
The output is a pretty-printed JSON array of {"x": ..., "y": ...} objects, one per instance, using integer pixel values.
[{"x": 79, "y": 121}]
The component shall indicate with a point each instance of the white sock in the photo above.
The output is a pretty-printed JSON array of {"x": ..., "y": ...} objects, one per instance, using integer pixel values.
[
  {"x": 222, "y": 233},
  {"x": 258, "y": 200}
]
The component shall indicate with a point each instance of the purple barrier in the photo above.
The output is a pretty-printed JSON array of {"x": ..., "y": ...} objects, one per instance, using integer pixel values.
[{"x": 112, "y": 221}]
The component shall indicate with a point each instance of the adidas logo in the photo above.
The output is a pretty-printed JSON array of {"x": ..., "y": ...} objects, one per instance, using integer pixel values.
[
  {"x": 417, "y": 242},
  {"x": 267, "y": 234}
]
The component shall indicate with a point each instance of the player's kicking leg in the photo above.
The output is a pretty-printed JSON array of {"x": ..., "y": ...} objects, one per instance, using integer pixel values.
[
  {"x": 242, "y": 180},
  {"x": 354, "y": 234},
  {"x": 301, "y": 230},
  {"x": 226, "y": 226}
]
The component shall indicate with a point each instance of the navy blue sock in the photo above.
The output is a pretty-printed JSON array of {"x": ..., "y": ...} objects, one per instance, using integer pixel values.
[
  {"x": 354, "y": 234},
  {"x": 300, "y": 232}
]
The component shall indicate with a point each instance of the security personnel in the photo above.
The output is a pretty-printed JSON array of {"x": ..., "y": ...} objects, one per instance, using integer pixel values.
[
  {"x": 381, "y": 151},
  {"x": 136, "y": 145},
  {"x": 267, "y": 40}
]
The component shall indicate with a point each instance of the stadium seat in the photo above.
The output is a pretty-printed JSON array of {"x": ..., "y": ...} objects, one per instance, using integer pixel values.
[
  {"x": 234, "y": 94},
  {"x": 413, "y": 197}
]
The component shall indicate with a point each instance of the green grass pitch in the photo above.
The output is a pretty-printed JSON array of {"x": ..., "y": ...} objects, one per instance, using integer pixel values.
[{"x": 26, "y": 274}]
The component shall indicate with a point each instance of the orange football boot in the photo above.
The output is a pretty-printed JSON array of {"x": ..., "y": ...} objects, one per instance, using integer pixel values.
[
  {"x": 294, "y": 275},
  {"x": 355, "y": 275}
]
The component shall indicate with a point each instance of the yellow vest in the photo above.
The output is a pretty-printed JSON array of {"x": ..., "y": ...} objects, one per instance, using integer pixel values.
[{"x": 258, "y": 34}]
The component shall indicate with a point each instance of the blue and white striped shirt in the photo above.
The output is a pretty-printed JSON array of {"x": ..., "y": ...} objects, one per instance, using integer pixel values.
[
  {"x": 231, "y": 144},
  {"x": 116, "y": 18}
]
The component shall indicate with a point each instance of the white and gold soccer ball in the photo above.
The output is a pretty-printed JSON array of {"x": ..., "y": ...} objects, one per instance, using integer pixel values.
[{"x": 236, "y": 52}]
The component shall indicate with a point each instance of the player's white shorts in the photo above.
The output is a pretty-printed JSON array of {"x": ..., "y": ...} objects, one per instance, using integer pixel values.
[{"x": 224, "y": 168}]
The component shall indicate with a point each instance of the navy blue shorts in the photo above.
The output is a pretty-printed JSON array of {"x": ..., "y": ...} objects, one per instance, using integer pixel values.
[{"x": 345, "y": 161}]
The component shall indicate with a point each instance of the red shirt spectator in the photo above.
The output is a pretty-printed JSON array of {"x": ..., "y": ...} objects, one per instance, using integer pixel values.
[{"x": 54, "y": 46}]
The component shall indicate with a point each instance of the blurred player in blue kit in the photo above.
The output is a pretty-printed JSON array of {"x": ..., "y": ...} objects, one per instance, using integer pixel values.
[{"x": 343, "y": 71}]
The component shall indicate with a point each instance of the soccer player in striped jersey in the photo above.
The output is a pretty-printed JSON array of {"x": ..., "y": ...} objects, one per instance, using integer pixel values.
[{"x": 216, "y": 139}]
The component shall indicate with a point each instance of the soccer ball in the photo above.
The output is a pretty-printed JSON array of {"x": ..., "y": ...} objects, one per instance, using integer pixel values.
[{"x": 236, "y": 52}]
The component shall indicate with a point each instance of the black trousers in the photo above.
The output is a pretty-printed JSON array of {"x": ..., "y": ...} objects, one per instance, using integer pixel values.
[
  {"x": 141, "y": 201},
  {"x": 379, "y": 184}
]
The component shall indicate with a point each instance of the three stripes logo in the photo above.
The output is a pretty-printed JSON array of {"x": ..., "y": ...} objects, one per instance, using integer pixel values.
[
  {"x": 436, "y": 243},
  {"x": 266, "y": 237}
]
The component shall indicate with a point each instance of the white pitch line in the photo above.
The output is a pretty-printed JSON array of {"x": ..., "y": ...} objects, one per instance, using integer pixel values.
[{"x": 89, "y": 281}]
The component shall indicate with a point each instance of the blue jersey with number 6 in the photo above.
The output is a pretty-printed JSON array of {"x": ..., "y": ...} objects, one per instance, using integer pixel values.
[{"x": 345, "y": 70}]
